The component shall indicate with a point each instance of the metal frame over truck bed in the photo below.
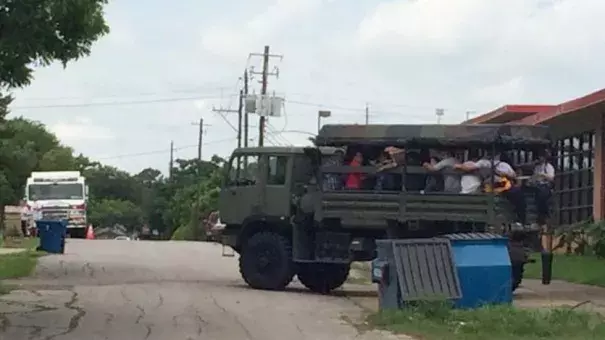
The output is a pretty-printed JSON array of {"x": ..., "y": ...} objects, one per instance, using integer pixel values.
[{"x": 296, "y": 228}]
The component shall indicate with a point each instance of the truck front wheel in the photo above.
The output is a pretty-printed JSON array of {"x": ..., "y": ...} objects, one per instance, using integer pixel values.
[
  {"x": 266, "y": 261},
  {"x": 323, "y": 277}
]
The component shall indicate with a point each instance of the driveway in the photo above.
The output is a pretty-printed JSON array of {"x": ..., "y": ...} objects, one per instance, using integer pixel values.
[{"x": 130, "y": 290}]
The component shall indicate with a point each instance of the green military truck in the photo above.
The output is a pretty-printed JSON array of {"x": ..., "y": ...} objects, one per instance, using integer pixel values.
[{"x": 283, "y": 221}]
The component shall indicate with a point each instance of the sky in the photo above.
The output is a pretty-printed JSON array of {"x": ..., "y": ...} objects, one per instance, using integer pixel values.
[{"x": 166, "y": 65}]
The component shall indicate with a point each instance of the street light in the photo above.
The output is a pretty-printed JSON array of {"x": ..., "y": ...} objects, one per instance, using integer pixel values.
[{"x": 322, "y": 114}]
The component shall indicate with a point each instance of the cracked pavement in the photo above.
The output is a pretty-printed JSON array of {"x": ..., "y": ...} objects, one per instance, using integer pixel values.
[{"x": 129, "y": 290}]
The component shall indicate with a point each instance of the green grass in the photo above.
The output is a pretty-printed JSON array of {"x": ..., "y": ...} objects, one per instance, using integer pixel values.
[
  {"x": 20, "y": 242},
  {"x": 588, "y": 270},
  {"x": 439, "y": 322},
  {"x": 16, "y": 265}
]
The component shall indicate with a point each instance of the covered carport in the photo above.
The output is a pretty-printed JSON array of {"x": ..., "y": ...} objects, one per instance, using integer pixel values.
[{"x": 577, "y": 129}]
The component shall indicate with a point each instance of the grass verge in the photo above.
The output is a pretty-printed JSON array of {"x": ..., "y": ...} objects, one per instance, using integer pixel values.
[
  {"x": 588, "y": 270},
  {"x": 437, "y": 321},
  {"x": 19, "y": 242},
  {"x": 16, "y": 265}
]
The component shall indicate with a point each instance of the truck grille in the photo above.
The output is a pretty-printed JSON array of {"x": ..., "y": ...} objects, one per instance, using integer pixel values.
[
  {"x": 73, "y": 217},
  {"x": 55, "y": 214}
]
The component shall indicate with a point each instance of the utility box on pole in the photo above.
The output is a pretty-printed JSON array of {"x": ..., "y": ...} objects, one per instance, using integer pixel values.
[{"x": 264, "y": 105}]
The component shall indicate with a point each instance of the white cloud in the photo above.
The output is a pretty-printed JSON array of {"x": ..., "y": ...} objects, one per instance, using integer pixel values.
[
  {"x": 443, "y": 26},
  {"x": 81, "y": 129},
  {"x": 473, "y": 49},
  {"x": 235, "y": 42}
]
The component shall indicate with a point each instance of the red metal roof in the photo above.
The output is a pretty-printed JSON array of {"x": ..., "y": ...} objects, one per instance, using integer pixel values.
[
  {"x": 564, "y": 108},
  {"x": 508, "y": 113}
]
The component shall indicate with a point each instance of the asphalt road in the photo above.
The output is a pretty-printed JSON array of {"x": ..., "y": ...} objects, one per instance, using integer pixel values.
[{"x": 130, "y": 290}]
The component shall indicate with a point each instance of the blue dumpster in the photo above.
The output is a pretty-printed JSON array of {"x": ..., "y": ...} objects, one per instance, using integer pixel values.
[
  {"x": 484, "y": 269},
  {"x": 52, "y": 236}
]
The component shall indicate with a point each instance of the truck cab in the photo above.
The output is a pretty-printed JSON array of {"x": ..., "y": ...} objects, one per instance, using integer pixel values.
[
  {"x": 59, "y": 195},
  {"x": 264, "y": 185}
]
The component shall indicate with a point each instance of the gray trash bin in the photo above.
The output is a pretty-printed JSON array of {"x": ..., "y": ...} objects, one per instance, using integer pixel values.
[{"x": 414, "y": 270}]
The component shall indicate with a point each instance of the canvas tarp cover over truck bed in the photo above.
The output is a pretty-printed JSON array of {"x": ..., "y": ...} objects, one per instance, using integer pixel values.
[{"x": 432, "y": 134}]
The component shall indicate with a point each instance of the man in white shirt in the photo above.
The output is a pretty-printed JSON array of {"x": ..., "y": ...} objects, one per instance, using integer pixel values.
[
  {"x": 542, "y": 180},
  {"x": 470, "y": 181}
]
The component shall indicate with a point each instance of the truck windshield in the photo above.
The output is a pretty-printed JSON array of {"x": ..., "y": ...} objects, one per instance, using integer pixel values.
[{"x": 73, "y": 191}]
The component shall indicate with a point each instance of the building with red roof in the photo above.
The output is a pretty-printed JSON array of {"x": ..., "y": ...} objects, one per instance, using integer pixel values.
[{"x": 577, "y": 129}]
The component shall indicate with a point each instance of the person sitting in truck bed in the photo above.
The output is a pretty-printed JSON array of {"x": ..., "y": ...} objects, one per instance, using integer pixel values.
[
  {"x": 396, "y": 157},
  {"x": 503, "y": 182},
  {"x": 354, "y": 180},
  {"x": 333, "y": 181},
  {"x": 470, "y": 181},
  {"x": 451, "y": 182},
  {"x": 384, "y": 180}
]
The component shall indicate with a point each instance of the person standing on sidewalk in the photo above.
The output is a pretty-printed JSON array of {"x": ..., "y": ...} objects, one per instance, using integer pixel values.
[{"x": 25, "y": 217}]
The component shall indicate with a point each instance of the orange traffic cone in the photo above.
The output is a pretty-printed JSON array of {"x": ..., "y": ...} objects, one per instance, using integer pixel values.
[{"x": 90, "y": 234}]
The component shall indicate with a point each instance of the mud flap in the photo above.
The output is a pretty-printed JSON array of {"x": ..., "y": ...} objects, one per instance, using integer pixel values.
[
  {"x": 227, "y": 244},
  {"x": 225, "y": 252},
  {"x": 547, "y": 256},
  {"x": 546, "y": 268}
]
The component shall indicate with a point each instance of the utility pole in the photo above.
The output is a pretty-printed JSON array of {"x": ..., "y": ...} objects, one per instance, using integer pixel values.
[
  {"x": 199, "y": 140},
  {"x": 439, "y": 113},
  {"x": 469, "y": 114},
  {"x": 171, "y": 159},
  {"x": 265, "y": 75},
  {"x": 246, "y": 113},
  {"x": 263, "y": 92},
  {"x": 200, "y": 136},
  {"x": 367, "y": 113}
]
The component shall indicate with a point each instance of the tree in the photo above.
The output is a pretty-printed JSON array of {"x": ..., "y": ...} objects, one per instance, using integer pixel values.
[
  {"x": 36, "y": 33},
  {"x": 109, "y": 212},
  {"x": 107, "y": 182},
  {"x": 55, "y": 30},
  {"x": 192, "y": 202}
]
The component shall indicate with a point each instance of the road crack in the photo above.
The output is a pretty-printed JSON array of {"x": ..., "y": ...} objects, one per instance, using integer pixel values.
[
  {"x": 74, "y": 322},
  {"x": 148, "y": 334},
  {"x": 141, "y": 314},
  {"x": 234, "y": 317},
  {"x": 35, "y": 333}
]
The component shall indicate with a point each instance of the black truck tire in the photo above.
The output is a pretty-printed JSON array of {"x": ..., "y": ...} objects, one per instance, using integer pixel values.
[
  {"x": 323, "y": 277},
  {"x": 518, "y": 259},
  {"x": 517, "y": 273},
  {"x": 266, "y": 261}
]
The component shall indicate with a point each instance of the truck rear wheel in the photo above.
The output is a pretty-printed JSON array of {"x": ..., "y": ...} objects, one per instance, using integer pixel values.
[
  {"x": 517, "y": 269},
  {"x": 266, "y": 261},
  {"x": 323, "y": 277},
  {"x": 518, "y": 259}
]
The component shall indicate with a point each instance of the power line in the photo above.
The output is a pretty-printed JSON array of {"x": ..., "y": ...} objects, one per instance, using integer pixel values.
[
  {"x": 115, "y": 103},
  {"x": 126, "y": 95},
  {"x": 163, "y": 151}
]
